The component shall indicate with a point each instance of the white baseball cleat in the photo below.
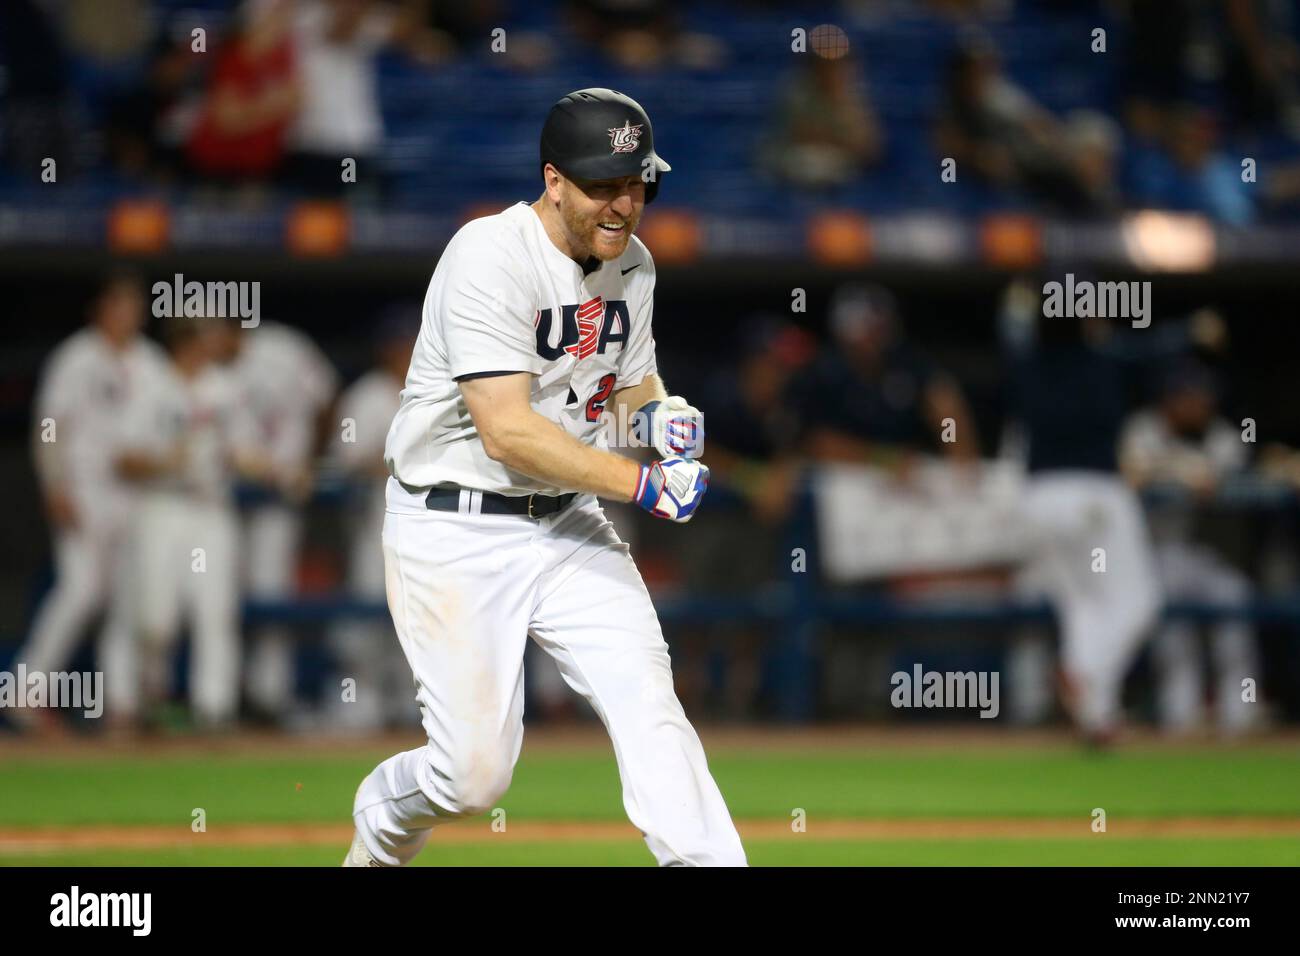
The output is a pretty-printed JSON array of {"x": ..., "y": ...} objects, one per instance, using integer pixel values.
[{"x": 358, "y": 855}]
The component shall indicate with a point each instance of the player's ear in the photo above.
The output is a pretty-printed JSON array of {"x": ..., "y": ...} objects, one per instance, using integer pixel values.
[{"x": 554, "y": 181}]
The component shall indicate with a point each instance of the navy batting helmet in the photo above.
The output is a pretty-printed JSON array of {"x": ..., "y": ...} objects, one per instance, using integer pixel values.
[{"x": 602, "y": 134}]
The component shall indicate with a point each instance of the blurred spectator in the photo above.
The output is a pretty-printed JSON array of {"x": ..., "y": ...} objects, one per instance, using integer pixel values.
[
  {"x": 1159, "y": 60},
  {"x": 1261, "y": 61},
  {"x": 252, "y": 98},
  {"x": 1095, "y": 142},
  {"x": 288, "y": 385},
  {"x": 1185, "y": 449},
  {"x": 873, "y": 399},
  {"x": 996, "y": 130},
  {"x": 642, "y": 34},
  {"x": 1242, "y": 53},
  {"x": 109, "y": 44},
  {"x": 466, "y": 29},
  {"x": 187, "y": 435},
  {"x": 340, "y": 118},
  {"x": 36, "y": 119},
  {"x": 85, "y": 387},
  {"x": 750, "y": 446},
  {"x": 1190, "y": 173},
  {"x": 149, "y": 120},
  {"x": 826, "y": 133},
  {"x": 369, "y": 652},
  {"x": 464, "y": 26},
  {"x": 113, "y": 35}
]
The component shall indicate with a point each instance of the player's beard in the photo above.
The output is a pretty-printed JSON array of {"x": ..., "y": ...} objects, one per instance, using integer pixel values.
[{"x": 587, "y": 232}]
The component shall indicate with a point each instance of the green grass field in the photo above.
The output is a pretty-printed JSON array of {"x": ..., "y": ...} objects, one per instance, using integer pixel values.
[{"x": 950, "y": 804}]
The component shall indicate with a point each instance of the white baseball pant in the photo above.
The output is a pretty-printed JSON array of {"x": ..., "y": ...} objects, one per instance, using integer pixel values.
[
  {"x": 364, "y": 650},
  {"x": 1190, "y": 572},
  {"x": 1103, "y": 615},
  {"x": 177, "y": 582},
  {"x": 271, "y": 536},
  {"x": 91, "y": 573},
  {"x": 465, "y": 591}
]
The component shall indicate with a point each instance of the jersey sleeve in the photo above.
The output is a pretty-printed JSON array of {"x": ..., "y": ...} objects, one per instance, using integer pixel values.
[
  {"x": 638, "y": 358},
  {"x": 59, "y": 394},
  {"x": 487, "y": 317},
  {"x": 61, "y": 389},
  {"x": 370, "y": 416}
]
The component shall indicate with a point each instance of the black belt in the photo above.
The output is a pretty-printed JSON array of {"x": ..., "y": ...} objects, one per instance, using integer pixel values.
[{"x": 449, "y": 498}]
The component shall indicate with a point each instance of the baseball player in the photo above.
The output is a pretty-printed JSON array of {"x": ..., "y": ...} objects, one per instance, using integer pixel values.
[
  {"x": 288, "y": 384},
  {"x": 1182, "y": 441},
  {"x": 187, "y": 433},
  {"x": 536, "y": 322},
  {"x": 84, "y": 387},
  {"x": 1092, "y": 550},
  {"x": 365, "y": 650}
]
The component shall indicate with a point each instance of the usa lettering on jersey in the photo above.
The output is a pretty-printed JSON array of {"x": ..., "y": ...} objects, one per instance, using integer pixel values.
[{"x": 585, "y": 330}]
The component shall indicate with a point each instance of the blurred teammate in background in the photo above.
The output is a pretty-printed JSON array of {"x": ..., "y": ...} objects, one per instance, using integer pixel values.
[
  {"x": 187, "y": 433},
  {"x": 752, "y": 423},
  {"x": 1069, "y": 398},
  {"x": 753, "y": 451},
  {"x": 84, "y": 388},
  {"x": 288, "y": 385},
  {"x": 1183, "y": 442},
  {"x": 368, "y": 652},
  {"x": 873, "y": 399}
]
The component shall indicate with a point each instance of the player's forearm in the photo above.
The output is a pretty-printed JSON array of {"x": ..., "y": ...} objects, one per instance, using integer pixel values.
[
  {"x": 628, "y": 401},
  {"x": 538, "y": 447},
  {"x": 650, "y": 389}
]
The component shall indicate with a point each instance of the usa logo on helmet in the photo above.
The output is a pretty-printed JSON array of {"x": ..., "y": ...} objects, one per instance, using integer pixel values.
[{"x": 625, "y": 138}]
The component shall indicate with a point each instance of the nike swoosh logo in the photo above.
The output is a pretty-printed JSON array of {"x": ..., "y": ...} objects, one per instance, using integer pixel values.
[{"x": 628, "y": 269}]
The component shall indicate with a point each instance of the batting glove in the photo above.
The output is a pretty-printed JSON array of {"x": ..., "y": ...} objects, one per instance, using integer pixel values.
[
  {"x": 673, "y": 427},
  {"x": 672, "y": 488}
]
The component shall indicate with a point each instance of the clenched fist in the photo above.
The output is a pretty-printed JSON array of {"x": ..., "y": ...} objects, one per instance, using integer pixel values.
[
  {"x": 672, "y": 488},
  {"x": 673, "y": 427}
]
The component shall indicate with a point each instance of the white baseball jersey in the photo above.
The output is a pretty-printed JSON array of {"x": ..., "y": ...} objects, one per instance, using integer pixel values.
[
  {"x": 286, "y": 381},
  {"x": 504, "y": 299},
  {"x": 1148, "y": 443},
  {"x": 370, "y": 402},
  {"x": 467, "y": 590},
  {"x": 85, "y": 387},
  {"x": 205, "y": 415}
]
